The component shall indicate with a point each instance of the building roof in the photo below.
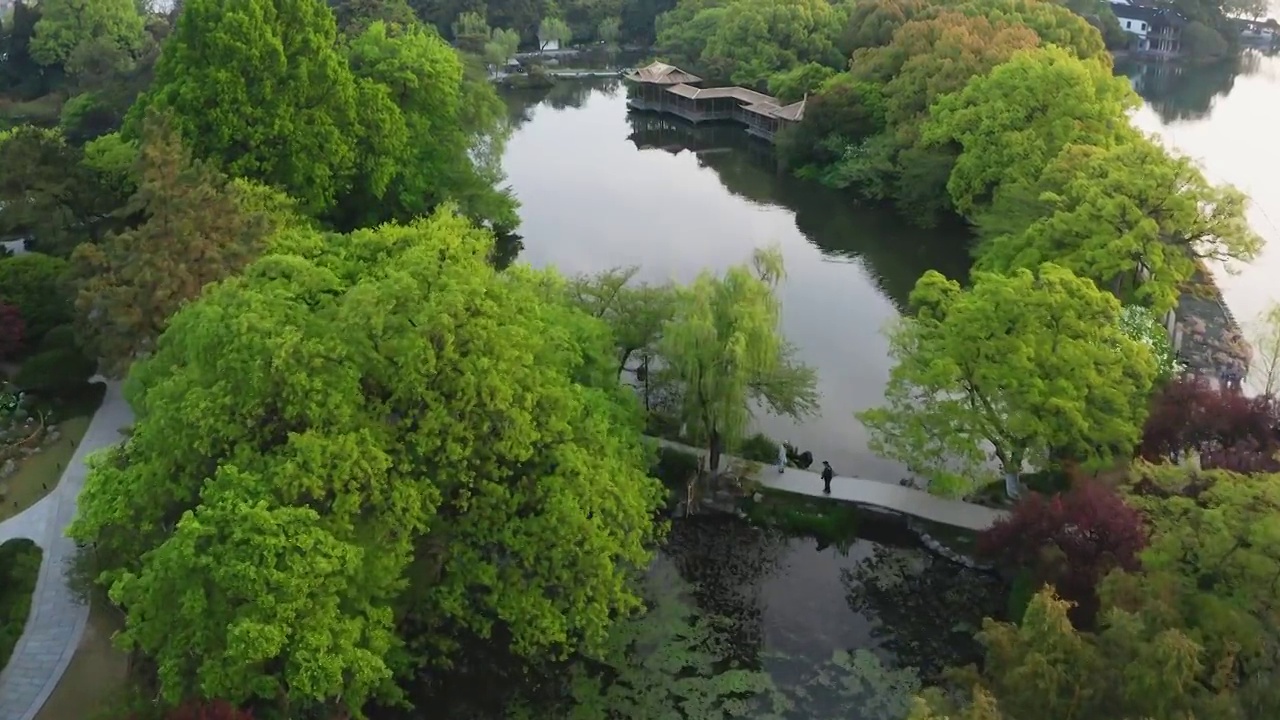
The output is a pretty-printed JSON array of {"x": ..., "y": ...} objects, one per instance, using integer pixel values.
[
  {"x": 741, "y": 94},
  {"x": 1152, "y": 15},
  {"x": 660, "y": 73},
  {"x": 793, "y": 112}
]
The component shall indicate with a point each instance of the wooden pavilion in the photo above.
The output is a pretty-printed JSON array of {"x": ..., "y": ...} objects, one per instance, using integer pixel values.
[{"x": 660, "y": 87}]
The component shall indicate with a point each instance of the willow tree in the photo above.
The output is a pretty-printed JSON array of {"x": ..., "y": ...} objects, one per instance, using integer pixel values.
[
  {"x": 724, "y": 351},
  {"x": 359, "y": 437}
]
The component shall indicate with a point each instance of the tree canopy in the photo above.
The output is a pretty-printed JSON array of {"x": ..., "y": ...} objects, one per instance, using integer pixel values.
[
  {"x": 723, "y": 348},
  {"x": 194, "y": 233},
  {"x": 1010, "y": 124},
  {"x": 335, "y": 439},
  {"x": 1131, "y": 217},
  {"x": 442, "y": 132},
  {"x": 260, "y": 87},
  {"x": 748, "y": 41},
  {"x": 70, "y": 32},
  {"x": 31, "y": 284},
  {"x": 1029, "y": 364}
]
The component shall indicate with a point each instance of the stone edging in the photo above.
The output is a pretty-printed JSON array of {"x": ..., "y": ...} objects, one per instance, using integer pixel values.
[{"x": 944, "y": 552}]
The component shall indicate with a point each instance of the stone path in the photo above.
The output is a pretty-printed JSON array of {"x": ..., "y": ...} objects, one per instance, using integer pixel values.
[
  {"x": 890, "y": 496},
  {"x": 57, "y": 615}
]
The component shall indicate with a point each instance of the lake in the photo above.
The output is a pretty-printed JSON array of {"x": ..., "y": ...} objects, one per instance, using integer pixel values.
[
  {"x": 1225, "y": 117},
  {"x": 600, "y": 188}
]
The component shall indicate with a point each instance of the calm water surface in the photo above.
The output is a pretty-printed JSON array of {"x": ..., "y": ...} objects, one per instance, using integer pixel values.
[
  {"x": 1227, "y": 117},
  {"x": 600, "y": 188}
]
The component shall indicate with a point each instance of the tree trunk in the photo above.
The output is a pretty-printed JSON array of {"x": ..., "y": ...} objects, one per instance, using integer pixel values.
[
  {"x": 714, "y": 447},
  {"x": 1011, "y": 486}
]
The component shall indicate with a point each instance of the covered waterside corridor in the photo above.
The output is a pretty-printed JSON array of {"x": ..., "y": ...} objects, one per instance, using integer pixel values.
[{"x": 665, "y": 88}]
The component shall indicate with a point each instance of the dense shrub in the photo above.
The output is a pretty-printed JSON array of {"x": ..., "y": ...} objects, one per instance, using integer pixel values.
[
  {"x": 1226, "y": 429},
  {"x": 55, "y": 372},
  {"x": 674, "y": 467},
  {"x": 62, "y": 337},
  {"x": 19, "y": 567},
  {"x": 1070, "y": 540},
  {"x": 13, "y": 331},
  {"x": 759, "y": 448},
  {"x": 33, "y": 283}
]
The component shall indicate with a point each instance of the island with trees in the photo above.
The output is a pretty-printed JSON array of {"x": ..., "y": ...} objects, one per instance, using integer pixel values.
[{"x": 373, "y": 457}]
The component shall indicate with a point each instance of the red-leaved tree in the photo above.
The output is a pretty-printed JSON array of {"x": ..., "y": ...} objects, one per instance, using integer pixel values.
[
  {"x": 1070, "y": 541},
  {"x": 1226, "y": 429},
  {"x": 13, "y": 331}
]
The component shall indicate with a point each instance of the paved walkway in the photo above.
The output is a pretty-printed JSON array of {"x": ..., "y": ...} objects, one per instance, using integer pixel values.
[
  {"x": 890, "y": 496},
  {"x": 57, "y": 616}
]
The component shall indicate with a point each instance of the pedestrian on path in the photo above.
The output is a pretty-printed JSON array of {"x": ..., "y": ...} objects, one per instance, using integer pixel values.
[
  {"x": 782, "y": 459},
  {"x": 827, "y": 474}
]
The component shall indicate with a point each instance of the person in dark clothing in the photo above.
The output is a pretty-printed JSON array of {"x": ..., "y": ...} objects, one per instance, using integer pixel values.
[{"x": 827, "y": 474}]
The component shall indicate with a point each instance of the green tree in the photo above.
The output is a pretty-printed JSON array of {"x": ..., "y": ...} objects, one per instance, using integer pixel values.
[
  {"x": 1133, "y": 669},
  {"x": 1131, "y": 217},
  {"x": 1203, "y": 42},
  {"x": 260, "y": 87},
  {"x": 112, "y": 159},
  {"x": 682, "y": 33},
  {"x": 46, "y": 192},
  {"x": 872, "y": 23},
  {"x": 502, "y": 46},
  {"x": 932, "y": 57},
  {"x": 723, "y": 350},
  {"x": 409, "y": 429},
  {"x": 795, "y": 84},
  {"x": 1025, "y": 363},
  {"x": 1265, "y": 365},
  {"x": 1052, "y": 21},
  {"x": 1210, "y": 570},
  {"x": 33, "y": 283},
  {"x": 445, "y": 133},
  {"x": 193, "y": 234},
  {"x": 553, "y": 30},
  {"x": 754, "y": 39},
  {"x": 71, "y": 32},
  {"x": 354, "y": 16},
  {"x": 636, "y": 313},
  {"x": 471, "y": 31},
  {"x": 608, "y": 31},
  {"x": 1012, "y": 122}
]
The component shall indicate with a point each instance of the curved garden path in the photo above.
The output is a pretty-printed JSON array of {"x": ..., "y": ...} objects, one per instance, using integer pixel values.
[
  {"x": 889, "y": 496},
  {"x": 58, "y": 615}
]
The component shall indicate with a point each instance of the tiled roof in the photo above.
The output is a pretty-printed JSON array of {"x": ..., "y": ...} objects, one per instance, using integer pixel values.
[
  {"x": 740, "y": 94},
  {"x": 660, "y": 73}
]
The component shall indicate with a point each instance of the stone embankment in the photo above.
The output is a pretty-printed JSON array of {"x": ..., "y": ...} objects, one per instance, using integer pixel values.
[{"x": 1209, "y": 339}]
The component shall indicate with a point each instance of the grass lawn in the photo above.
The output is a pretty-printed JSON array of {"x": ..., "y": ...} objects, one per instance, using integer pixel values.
[
  {"x": 38, "y": 474},
  {"x": 19, "y": 568}
]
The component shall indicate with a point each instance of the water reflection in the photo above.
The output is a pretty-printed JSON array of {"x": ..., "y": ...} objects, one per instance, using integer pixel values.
[
  {"x": 791, "y": 606},
  {"x": 926, "y": 609},
  {"x": 896, "y": 253},
  {"x": 1187, "y": 92}
]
